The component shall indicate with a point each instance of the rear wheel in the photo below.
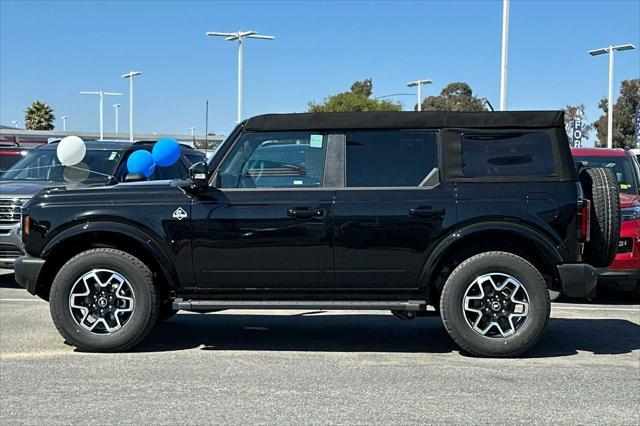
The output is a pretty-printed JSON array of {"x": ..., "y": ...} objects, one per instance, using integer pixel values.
[
  {"x": 495, "y": 304},
  {"x": 601, "y": 188},
  {"x": 104, "y": 300}
]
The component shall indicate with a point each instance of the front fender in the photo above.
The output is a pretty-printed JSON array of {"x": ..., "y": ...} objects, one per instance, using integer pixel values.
[{"x": 156, "y": 249}]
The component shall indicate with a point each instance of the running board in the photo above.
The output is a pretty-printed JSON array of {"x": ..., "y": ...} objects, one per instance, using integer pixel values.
[{"x": 207, "y": 305}]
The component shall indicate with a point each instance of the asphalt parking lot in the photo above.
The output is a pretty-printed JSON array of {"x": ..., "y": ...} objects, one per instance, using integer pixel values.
[{"x": 318, "y": 367}]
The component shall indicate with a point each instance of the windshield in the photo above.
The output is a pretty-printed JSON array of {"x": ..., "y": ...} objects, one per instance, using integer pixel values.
[
  {"x": 622, "y": 167},
  {"x": 42, "y": 164}
]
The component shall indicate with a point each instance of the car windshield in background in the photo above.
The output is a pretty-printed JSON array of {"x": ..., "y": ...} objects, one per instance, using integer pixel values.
[
  {"x": 43, "y": 165},
  {"x": 622, "y": 168}
]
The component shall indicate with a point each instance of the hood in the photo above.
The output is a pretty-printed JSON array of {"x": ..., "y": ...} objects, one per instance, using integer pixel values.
[
  {"x": 629, "y": 200},
  {"x": 23, "y": 189}
]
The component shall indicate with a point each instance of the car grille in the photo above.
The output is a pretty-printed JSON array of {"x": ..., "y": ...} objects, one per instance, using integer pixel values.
[
  {"x": 10, "y": 210},
  {"x": 9, "y": 251}
]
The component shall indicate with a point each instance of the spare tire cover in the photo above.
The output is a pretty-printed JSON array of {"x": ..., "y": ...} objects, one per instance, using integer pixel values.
[{"x": 601, "y": 188}]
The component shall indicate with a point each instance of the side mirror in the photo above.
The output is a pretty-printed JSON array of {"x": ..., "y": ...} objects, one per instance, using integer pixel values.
[
  {"x": 134, "y": 177},
  {"x": 198, "y": 175}
]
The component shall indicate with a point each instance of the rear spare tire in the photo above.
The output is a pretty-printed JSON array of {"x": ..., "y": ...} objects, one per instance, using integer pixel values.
[{"x": 601, "y": 188}]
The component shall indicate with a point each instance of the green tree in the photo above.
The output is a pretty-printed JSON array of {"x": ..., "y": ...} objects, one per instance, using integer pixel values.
[
  {"x": 39, "y": 116},
  {"x": 623, "y": 113},
  {"x": 456, "y": 96},
  {"x": 569, "y": 113},
  {"x": 356, "y": 100}
]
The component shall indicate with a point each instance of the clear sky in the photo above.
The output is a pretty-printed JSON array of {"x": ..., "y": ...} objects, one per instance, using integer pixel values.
[{"x": 52, "y": 50}]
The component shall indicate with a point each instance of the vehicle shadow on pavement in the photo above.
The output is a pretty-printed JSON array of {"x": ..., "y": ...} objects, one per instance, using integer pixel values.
[
  {"x": 8, "y": 281},
  {"x": 370, "y": 333}
]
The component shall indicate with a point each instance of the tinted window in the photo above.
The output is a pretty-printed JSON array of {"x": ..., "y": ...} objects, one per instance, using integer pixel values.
[
  {"x": 195, "y": 157},
  {"x": 389, "y": 157},
  {"x": 275, "y": 160},
  {"x": 177, "y": 171},
  {"x": 507, "y": 154}
]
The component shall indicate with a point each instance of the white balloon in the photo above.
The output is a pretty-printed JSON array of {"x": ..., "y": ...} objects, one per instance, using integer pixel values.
[{"x": 71, "y": 150}]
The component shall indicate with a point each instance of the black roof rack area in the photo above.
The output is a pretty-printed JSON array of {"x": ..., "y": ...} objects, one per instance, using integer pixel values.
[{"x": 405, "y": 119}]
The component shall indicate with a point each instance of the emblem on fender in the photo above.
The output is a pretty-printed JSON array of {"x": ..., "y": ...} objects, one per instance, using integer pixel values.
[{"x": 179, "y": 213}]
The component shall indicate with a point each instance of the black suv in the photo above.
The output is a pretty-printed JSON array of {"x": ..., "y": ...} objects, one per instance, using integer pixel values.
[{"x": 475, "y": 214}]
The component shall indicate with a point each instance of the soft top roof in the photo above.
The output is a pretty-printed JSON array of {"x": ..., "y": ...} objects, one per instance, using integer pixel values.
[{"x": 405, "y": 119}]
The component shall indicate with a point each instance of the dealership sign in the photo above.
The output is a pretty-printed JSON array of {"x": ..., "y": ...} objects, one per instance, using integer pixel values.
[{"x": 576, "y": 131}]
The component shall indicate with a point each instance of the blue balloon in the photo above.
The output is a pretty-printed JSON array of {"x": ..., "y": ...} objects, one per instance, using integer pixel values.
[
  {"x": 141, "y": 161},
  {"x": 166, "y": 152}
]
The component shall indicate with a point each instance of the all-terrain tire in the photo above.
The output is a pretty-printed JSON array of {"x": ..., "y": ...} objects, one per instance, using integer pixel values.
[
  {"x": 601, "y": 188},
  {"x": 139, "y": 277},
  {"x": 459, "y": 327}
]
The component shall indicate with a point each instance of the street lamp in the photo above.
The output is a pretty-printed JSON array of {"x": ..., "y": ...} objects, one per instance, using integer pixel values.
[
  {"x": 418, "y": 84},
  {"x": 64, "y": 122},
  {"x": 503, "y": 67},
  {"x": 15, "y": 123},
  {"x": 240, "y": 36},
  {"x": 610, "y": 51},
  {"x": 192, "y": 129},
  {"x": 101, "y": 94},
  {"x": 116, "y": 107},
  {"x": 130, "y": 76}
]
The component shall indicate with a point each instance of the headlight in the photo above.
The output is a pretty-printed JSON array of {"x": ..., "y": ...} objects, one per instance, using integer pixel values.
[{"x": 631, "y": 213}]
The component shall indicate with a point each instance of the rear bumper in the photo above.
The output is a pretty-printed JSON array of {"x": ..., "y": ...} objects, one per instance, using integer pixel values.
[
  {"x": 27, "y": 270},
  {"x": 578, "y": 279},
  {"x": 621, "y": 279}
]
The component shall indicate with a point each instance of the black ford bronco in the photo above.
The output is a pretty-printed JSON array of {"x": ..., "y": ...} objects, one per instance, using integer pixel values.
[{"x": 475, "y": 214}]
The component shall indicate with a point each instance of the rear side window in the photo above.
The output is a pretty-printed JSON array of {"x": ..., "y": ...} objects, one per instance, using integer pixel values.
[
  {"x": 507, "y": 154},
  {"x": 387, "y": 158}
]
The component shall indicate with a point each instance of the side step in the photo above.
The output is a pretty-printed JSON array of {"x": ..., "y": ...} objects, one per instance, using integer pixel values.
[{"x": 207, "y": 305}]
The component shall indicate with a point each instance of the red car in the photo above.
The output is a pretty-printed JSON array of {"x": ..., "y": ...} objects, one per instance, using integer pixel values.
[{"x": 624, "y": 272}]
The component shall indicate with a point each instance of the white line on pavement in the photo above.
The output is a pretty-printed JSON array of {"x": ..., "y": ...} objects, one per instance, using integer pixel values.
[
  {"x": 21, "y": 300},
  {"x": 585, "y": 308}
]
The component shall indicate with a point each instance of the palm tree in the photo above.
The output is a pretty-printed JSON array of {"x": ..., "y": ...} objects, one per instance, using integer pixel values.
[{"x": 39, "y": 116}]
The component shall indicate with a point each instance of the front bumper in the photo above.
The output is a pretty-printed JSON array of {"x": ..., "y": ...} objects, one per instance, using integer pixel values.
[
  {"x": 11, "y": 246},
  {"x": 578, "y": 279},
  {"x": 28, "y": 271}
]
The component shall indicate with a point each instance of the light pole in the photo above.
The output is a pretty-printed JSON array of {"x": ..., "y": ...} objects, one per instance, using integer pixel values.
[
  {"x": 130, "y": 76},
  {"x": 101, "y": 94},
  {"x": 192, "y": 129},
  {"x": 240, "y": 36},
  {"x": 15, "y": 123},
  {"x": 64, "y": 122},
  {"x": 503, "y": 67},
  {"x": 610, "y": 50},
  {"x": 418, "y": 84},
  {"x": 116, "y": 107}
]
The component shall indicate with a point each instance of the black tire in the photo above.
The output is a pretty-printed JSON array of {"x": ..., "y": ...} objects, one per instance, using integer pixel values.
[
  {"x": 140, "y": 279},
  {"x": 601, "y": 188},
  {"x": 460, "y": 329}
]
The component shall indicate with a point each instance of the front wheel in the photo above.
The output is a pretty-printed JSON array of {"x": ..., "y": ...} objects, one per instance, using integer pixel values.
[
  {"x": 104, "y": 300},
  {"x": 495, "y": 304}
]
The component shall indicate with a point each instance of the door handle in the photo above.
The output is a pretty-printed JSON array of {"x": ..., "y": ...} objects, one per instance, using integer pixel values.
[
  {"x": 426, "y": 212},
  {"x": 305, "y": 212}
]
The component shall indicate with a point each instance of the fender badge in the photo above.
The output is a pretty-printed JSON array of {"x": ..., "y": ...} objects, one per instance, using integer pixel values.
[{"x": 179, "y": 213}]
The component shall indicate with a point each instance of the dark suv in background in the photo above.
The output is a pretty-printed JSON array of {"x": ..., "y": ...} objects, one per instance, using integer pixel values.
[
  {"x": 104, "y": 164},
  {"x": 475, "y": 214}
]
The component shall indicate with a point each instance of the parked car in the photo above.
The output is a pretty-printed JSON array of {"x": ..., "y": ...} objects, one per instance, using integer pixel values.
[
  {"x": 624, "y": 272},
  {"x": 9, "y": 154},
  {"x": 475, "y": 214},
  {"x": 104, "y": 164}
]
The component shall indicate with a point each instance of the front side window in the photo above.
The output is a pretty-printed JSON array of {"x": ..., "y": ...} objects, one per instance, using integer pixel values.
[
  {"x": 388, "y": 158},
  {"x": 507, "y": 154},
  {"x": 275, "y": 160}
]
